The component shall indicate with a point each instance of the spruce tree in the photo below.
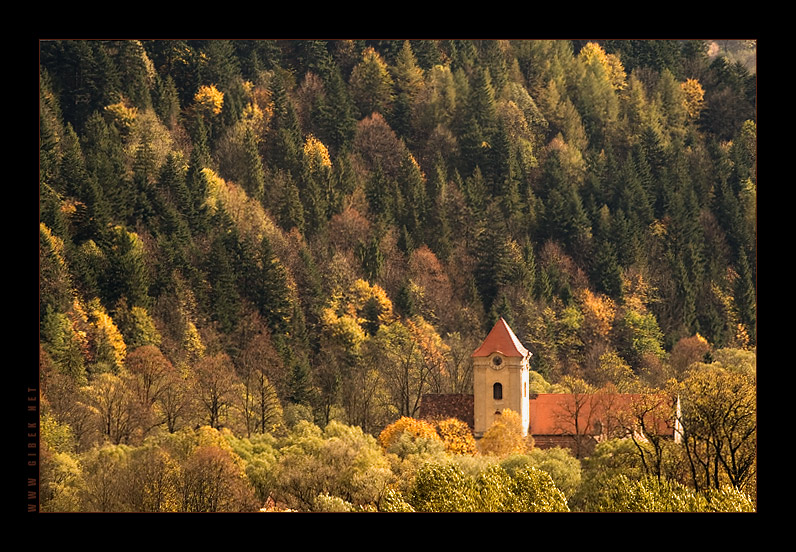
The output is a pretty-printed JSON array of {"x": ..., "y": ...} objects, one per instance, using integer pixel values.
[
  {"x": 166, "y": 100},
  {"x": 272, "y": 294},
  {"x": 283, "y": 149},
  {"x": 408, "y": 79},
  {"x": 254, "y": 176},
  {"x": 492, "y": 254},
  {"x": 745, "y": 294},
  {"x": 132, "y": 62},
  {"x": 225, "y": 300},
  {"x": 105, "y": 161},
  {"x": 335, "y": 114},
  {"x": 290, "y": 211}
]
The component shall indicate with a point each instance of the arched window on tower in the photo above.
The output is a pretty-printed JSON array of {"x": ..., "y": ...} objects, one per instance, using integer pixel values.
[{"x": 497, "y": 392}]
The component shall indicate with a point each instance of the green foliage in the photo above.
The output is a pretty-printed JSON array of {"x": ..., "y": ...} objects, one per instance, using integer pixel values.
[
  {"x": 446, "y": 488},
  {"x": 194, "y": 193},
  {"x": 653, "y": 495},
  {"x": 563, "y": 468}
]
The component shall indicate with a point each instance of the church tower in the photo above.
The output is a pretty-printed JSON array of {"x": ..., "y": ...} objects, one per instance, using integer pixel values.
[{"x": 500, "y": 378}]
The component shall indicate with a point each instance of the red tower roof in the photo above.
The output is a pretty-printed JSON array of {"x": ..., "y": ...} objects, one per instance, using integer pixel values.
[{"x": 501, "y": 340}]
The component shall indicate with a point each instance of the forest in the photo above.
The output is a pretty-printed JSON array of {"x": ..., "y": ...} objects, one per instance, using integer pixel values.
[{"x": 257, "y": 256}]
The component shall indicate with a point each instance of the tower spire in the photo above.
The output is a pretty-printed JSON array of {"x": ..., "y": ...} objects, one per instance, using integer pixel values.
[{"x": 501, "y": 339}]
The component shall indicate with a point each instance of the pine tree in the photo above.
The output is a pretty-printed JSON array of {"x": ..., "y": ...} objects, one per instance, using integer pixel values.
[
  {"x": 272, "y": 295},
  {"x": 92, "y": 216},
  {"x": 335, "y": 114},
  {"x": 492, "y": 254},
  {"x": 166, "y": 100},
  {"x": 135, "y": 76},
  {"x": 225, "y": 300},
  {"x": 51, "y": 129},
  {"x": 408, "y": 79},
  {"x": 291, "y": 210},
  {"x": 438, "y": 230},
  {"x": 604, "y": 266},
  {"x": 371, "y": 85},
  {"x": 70, "y": 64},
  {"x": 127, "y": 276},
  {"x": 480, "y": 122},
  {"x": 371, "y": 258},
  {"x": 105, "y": 161},
  {"x": 254, "y": 179},
  {"x": 144, "y": 167},
  {"x": 283, "y": 149},
  {"x": 196, "y": 180},
  {"x": 412, "y": 187},
  {"x": 220, "y": 64},
  {"x": 745, "y": 294}
]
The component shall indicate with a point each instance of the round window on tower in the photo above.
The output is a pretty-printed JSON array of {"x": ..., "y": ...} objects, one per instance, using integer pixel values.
[{"x": 497, "y": 362}]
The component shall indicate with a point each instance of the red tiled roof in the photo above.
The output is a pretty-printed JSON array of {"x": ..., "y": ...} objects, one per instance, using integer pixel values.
[
  {"x": 555, "y": 413},
  {"x": 501, "y": 340}
]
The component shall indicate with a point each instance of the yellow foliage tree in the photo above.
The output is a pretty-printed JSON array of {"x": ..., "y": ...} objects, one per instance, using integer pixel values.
[
  {"x": 361, "y": 306},
  {"x": 457, "y": 437},
  {"x": 316, "y": 154},
  {"x": 364, "y": 295},
  {"x": 343, "y": 328},
  {"x": 593, "y": 53},
  {"x": 109, "y": 345},
  {"x": 192, "y": 342},
  {"x": 598, "y": 315},
  {"x": 504, "y": 436},
  {"x": 122, "y": 115},
  {"x": 694, "y": 98},
  {"x": 209, "y": 100},
  {"x": 405, "y": 424}
]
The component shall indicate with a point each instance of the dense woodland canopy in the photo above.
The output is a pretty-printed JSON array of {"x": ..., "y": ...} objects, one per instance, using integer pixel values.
[{"x": 256, "y": 256}]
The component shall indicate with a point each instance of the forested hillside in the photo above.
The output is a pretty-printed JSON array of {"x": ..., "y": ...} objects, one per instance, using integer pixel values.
[{"x": 255, "y": 256}]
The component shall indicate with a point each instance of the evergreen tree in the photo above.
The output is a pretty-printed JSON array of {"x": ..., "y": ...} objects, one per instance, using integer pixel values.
[
  {"x": 144, "y": 167},
  {"x": 565, "y": 217},
  {"x": 506, "y": 173},
  {"x": 605, "y": 269},
  {"x": 135, "y": 73},
  {"x": 92, "y": 216},
  {"x": 412, "y": 188},
  {"x": 745, "y": 294},
  {"x": 494, "y": 59},
  {"x": 196, "y": 180},
  {"x": 166, "y": 101},
  {"x": 71, "y": 66},
  {"x": 127, "y": 275},
  {"x": 284, "y": 146},
  {"x": 272, "y": 295},
  {"x": 51, "y": 129},
  {"x": 172, "y": 182},
  {"x": 371, "y": 85},
  {"x": 291, "y": 210},
  {"x": 480, "y": 122},
  {"x": 225, "y": 300},
  {"x": 105, "y": 161},
  {"x": 220, "y": 65},
  {"x": 254, "y": 176},
  {"x": 335, "y": 114},
  {"x": 408, "y": 80},
  {"x": 438, "y": 229},
  {"x": 492, "y": 254}
]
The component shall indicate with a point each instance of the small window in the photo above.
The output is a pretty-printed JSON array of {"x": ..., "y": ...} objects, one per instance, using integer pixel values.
[{"x": 497, "y": 392}]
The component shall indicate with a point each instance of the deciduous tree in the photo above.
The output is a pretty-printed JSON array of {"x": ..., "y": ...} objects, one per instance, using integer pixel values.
[
  {"x": 505, "y": 436},
  {"x": 214, "y": 384}
]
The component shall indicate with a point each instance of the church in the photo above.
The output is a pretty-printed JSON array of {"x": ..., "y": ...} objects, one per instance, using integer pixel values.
[{"x": 501, "y": 373}]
